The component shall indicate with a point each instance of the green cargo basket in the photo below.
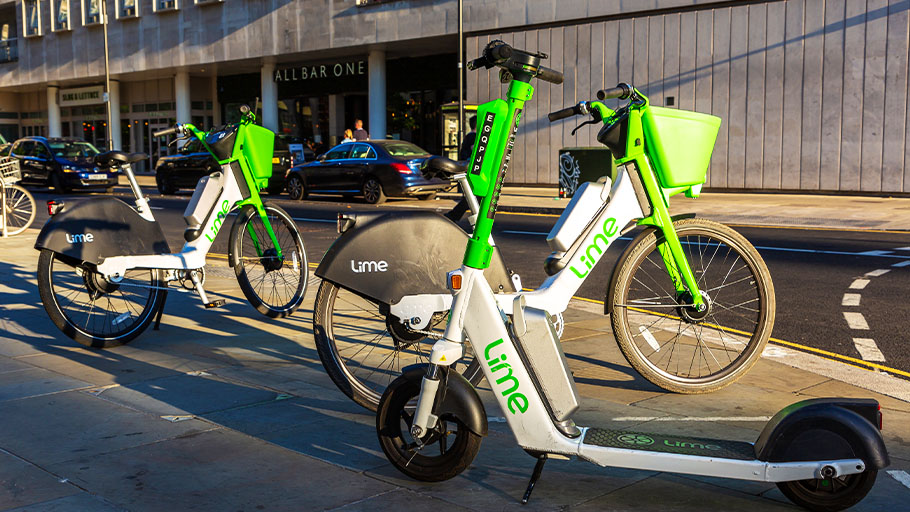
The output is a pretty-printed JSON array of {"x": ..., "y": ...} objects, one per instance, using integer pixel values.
[
  {"x": 258, "y": 148},
  {"x": 680, "y": 143}
]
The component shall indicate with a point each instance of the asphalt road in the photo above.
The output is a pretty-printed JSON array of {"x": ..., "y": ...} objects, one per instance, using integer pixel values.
[{"x": 819, "y": 274}]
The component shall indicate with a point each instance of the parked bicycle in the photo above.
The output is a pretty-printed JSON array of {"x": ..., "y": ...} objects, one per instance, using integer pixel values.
[
  {"x": 17, "y": 206},
  {"x": 105, "y": 267}
]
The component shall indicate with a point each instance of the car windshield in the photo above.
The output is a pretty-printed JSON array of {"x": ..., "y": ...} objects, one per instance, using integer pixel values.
[
  {"x": 402, "y": 148},
  {"x": 73, "y": 149}
]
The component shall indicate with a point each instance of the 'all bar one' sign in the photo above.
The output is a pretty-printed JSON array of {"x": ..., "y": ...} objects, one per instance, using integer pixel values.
[{"x": 319, "y": 71}]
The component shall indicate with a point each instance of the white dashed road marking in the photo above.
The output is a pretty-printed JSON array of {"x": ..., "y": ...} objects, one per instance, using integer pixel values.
[
  {"x": 901, "y": 264},
  {"x": 711, "y": 419},
  {"x": 868, "y": 350},
  {"x": 876, "y": 273},
  {"x": 902, "y": 249},
  {"x": 859, "y": 284},
  {"x": 856, "y": 320},
  {"x": 900, "y": 476},
  {"x": 850, "y": 299}
]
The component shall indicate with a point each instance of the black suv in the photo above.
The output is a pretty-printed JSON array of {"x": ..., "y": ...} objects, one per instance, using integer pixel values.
[
  {"x": 62, "y": 163},
  {"x": 192, "y": 162}
]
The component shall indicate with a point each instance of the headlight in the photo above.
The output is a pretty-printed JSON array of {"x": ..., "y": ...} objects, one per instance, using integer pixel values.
[{"x": 67, "y": 168}]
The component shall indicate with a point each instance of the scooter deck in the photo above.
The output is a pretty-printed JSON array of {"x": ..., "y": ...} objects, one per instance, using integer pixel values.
[{"x": 644, "y": 441}]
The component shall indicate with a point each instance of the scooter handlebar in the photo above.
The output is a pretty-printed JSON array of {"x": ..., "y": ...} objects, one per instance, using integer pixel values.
[{"x": 168, "y": 131}]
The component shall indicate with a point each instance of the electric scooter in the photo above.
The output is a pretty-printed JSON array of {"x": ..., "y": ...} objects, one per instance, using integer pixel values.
[{"x": 824, "y": 454}]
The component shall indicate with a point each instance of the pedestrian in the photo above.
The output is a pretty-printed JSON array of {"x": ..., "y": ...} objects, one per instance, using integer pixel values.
[
  {"x": 467, "y": 144},
  {"x": 359, "y": 132},
  {"x": 348, "y": 136}
]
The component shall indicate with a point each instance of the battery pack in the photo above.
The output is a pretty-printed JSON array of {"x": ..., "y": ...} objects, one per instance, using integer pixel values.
[
  {"x": 585, "y": 204},
  {"x": 207, "y": 192},
  {"x": 540, "y": 345}
]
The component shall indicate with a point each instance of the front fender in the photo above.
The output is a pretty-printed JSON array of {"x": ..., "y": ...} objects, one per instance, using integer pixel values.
[{"x": 456, "y": 398}]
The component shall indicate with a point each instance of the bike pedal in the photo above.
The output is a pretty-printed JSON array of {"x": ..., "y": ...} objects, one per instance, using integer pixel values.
[{"x": 215, "y": 304}]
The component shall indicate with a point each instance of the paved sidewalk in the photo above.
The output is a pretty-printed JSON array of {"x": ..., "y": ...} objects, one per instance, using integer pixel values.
[{"x": 226, "y": 410}]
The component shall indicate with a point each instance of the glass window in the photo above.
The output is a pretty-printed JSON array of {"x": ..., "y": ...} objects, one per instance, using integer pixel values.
[
  {"x": 23, "y": 148},
  {"x": 203, "y": 2},
  {"x": 338, "y": 152},
  {"x": 363, "y": 151},
  {"x": 127, "y": 9},
  {"x": 72, "y": 149},
  {"x": 40, "y": 151},
  {"x": 402, "y": 148},
  {"x": 165, "y": 5},
  {"x": 91, "y": 12},
  {"x": 31, "y": 16},
  {"x": 60, "y": 15}
]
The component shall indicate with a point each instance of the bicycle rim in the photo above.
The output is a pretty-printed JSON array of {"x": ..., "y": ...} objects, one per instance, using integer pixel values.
[
  {"x": 661, "y": 337},
  {"x": 278, "y": 283},
  {"x": 364, "y": 348},
  {"x": 100, "y": 309},
  {"x": 20, "y": 209}
]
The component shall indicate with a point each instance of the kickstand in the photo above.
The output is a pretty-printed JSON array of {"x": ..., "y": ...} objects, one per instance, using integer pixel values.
[
  {"x": 538, "y": 468},
  {"x": 160, "y": 312}
]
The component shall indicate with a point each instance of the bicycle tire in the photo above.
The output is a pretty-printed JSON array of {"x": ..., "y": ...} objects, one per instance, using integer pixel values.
[
  {"x": 287, "y": 276},
  {"x": 642, "y": 309},
  {"x": 368, "y": 323},
  {"x": 93, "y": 331},
  {"x": 20, "y": 209}
]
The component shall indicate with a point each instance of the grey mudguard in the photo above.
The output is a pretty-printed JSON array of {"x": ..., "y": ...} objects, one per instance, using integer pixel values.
[
  {"x": 456, "y": 398},
  {"x": 402, "y": 253},
  {"x": 94, "y": 229}
]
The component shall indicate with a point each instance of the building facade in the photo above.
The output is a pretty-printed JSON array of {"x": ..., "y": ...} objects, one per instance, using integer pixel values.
[{"x": 813, "y": 93}]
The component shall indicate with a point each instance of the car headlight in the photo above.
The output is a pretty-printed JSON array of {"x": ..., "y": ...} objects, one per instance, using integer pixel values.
[{"x": 68, "y": 168}]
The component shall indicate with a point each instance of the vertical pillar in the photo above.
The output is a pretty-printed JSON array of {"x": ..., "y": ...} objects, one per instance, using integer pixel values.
[
  {"x": 54, "y": 126},
  {"x": 216, "y": 107},
  {"x": 269, "y": 96},
  {"x": 182, "y": 88},
  {"x": 336, "y": 118},
  {"x": 377, "y": 94},
  {"x": 113, "y": 131}
]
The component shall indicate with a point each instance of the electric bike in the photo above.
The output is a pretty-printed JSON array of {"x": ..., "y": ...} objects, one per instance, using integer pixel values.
[
  {"x": 824, "y": 454},
  {"x": 105, "y": 267}
]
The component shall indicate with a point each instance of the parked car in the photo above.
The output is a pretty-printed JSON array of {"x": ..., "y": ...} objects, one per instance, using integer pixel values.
[
  {"x": 4, "y": 146},
  {"x": 62, "y": 163},
  {"x": 375, "y": 169},
  {"x": 184, "y": 169}
]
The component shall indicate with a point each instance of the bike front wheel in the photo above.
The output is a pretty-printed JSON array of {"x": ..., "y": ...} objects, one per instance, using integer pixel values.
[
  {"x": 20, "y": 209},
  {"x": 363, "y": 347},
  {"x": 274, "y": 285},
  {"x": 95, "y": 311},
  {"x": 659, "y": 332}
]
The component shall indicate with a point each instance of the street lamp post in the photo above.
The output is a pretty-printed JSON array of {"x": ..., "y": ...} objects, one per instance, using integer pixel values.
[
  {"x": 107, "y": 78},
  {"x": 460, "y": 72}
]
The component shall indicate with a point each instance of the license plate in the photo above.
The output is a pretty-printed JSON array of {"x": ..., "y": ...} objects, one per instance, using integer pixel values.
[
  {"x": 276, "y": 160},
  {"x": 97, "y": 176}
]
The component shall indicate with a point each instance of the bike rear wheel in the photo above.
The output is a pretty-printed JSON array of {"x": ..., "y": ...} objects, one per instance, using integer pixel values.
[
  {"x": 20, "y": 209},
  {"x": 274, "y": 286},
  {"x": 92, "y": 310},
  {"x": 364, "y": 348},
  {"x": 664, "y": 338}
]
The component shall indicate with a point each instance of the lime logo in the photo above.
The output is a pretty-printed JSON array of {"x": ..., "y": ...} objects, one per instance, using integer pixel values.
[
  {"x": 636, "y": 439},
  {"x": 589, "y": 259},
  {"x": 502, "y": 372}
]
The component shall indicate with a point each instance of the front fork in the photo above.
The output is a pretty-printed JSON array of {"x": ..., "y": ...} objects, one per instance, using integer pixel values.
[{"x": 670, "y": 248}]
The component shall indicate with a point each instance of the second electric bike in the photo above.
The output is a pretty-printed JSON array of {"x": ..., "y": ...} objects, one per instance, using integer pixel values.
[{"x": 824, "y": 454}]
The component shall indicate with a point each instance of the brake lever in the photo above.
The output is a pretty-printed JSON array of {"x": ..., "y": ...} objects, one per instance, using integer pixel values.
[
  {"x": 592, "y": 121},
  {"x": 178, "y": 139}
]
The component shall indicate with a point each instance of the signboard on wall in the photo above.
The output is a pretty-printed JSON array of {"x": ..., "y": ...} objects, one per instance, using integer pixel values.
[
  {"x": 82, "y": 96},
  {"x": 328, "y": 70}
]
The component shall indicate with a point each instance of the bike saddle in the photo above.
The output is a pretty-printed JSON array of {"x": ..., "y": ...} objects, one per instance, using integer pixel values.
[
  {"x": 115, "y": 157},
  {"x": 442, "y": 167}
]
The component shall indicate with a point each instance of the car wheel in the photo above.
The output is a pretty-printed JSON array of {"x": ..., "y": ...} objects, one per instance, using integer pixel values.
[
  {"x": 109, "y": 190},
  {"x": 166, "y": 186},
  {"x": 372, "y": 191},
  {"x": 428, "y": 197},
  {"x": 296, "y": 189}
]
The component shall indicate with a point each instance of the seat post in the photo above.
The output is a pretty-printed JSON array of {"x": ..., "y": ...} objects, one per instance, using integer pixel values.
[{"x": 142, "y": 204}]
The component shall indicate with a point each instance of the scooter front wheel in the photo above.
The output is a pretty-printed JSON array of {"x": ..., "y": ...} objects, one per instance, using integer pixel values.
[
  {"x": 829, "y": 494},
  {"x": 92, "y": 310},
  {"x": 443, "y": 453}
]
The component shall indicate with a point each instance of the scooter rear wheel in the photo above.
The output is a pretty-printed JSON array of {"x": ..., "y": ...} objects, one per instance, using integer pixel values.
[
  {"x": 443, "y": 453},
  {"x": 92, "y": 310},
  {"x": 829, "y": 494}
]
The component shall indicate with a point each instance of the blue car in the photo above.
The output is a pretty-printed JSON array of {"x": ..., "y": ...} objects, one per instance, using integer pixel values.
[
  {"x": 374, "y": 169},
  {"x": 62, "y": 163}
]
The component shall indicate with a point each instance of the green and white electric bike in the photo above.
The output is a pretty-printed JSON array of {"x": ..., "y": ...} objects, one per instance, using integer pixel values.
[
  {"x": 824, "y": 454},
  {"x": 105, "y": 266}
]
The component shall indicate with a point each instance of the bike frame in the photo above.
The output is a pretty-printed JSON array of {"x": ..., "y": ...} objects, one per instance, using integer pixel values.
[{"x": 236, "y": 171}]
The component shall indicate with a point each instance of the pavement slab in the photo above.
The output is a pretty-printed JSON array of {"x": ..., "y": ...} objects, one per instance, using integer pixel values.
[
  {"x": 23, "y": 483},
  {"x": 82, "y": 502},
  {"x": 35, "y": 381}
]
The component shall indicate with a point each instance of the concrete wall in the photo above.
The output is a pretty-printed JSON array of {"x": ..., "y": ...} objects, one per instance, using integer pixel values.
[{"x": 813, "y": 93}]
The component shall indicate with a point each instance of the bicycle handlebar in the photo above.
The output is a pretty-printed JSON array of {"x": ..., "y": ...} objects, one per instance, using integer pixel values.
[
  {"x": 549, "y": 75},
  {"x": 574, "y": 110},
  {"x": 499, "y": 53},
  {"x": 168, "y": 131},
  {"x": 621, "y": 91}
]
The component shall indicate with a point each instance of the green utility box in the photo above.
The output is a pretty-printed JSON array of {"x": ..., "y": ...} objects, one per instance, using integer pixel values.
[{"x": 578, "y": 165}]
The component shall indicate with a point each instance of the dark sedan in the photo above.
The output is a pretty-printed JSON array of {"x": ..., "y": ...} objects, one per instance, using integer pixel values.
[
  {"x": 375, "y": 169},
  {"x": 62, "y": 163},
  {"x": 192, "y": 162}
]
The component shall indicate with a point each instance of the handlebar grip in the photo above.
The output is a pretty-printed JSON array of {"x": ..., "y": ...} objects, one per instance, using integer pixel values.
[
  {"x": 549, "y": 75},
  {"x": 621, "y": 91},
  {"x": 480, "y": 62},
  {"x": 500, "y": 52},
  {"x": 165, "y": 132},
  {"x": 564, "y": 113}
]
